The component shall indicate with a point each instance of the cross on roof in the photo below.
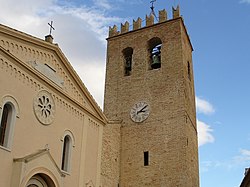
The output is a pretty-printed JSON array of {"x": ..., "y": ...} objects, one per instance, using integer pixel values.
[
  {"x": 152, "y": 4},
  {"x": 152, "y": 9},
  {"x": 51, "y": 27}
]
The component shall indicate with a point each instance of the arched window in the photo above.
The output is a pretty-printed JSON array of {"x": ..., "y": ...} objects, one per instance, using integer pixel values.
[
  {"x": 66, "y": 153},
  {"x": 8, "y": 116},
  {"x": 127, "y": 55},
  {"x": 154, "y": 48}
]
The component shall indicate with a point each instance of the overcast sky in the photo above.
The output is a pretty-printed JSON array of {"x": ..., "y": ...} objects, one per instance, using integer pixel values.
[{"x": 219, "y": 31}]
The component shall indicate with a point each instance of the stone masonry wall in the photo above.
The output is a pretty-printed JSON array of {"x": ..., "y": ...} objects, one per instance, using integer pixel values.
[{"x": 169, "y": 133}]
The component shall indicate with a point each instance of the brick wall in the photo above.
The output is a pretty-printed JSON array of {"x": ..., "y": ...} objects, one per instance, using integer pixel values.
[{"x": 169, "y": 133}]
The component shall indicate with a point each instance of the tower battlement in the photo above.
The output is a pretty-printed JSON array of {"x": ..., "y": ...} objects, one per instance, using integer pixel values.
[{"x": 137, "y": 24}]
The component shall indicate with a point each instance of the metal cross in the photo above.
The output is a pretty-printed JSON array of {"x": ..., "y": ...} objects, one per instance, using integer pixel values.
[
  {"x": 152, "y": 9},
  {"x": 51, "y": 27},
  {"x": 152, "y": 5}
]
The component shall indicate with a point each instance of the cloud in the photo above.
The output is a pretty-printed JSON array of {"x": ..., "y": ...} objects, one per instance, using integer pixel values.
[
  {"x": 204, "y": 130},
  {"x": 245, "y": 153},
  {"x": 239, "y": 161},
  {"x": 209, "y": 164},
  {"x": 245, "y": 1},
  {"x": 80, "y": 32},
  {"x": 103, "y": 4},
  {"x": 243, "y": 157},
  {"x": 96, "y": 82},
  {"x": 204, "y": 133},
  {"x": 114, "y": 4},
  {"x": 203, "y": 106}
]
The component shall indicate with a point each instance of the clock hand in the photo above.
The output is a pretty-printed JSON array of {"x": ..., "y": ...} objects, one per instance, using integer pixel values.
[{"x": 142, "y": 109}]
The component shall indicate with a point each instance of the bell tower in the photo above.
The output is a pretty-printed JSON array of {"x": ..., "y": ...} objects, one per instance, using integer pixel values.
[{"x": 151, "y": 138}]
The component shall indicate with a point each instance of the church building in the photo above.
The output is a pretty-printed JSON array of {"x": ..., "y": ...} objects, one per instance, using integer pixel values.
[
  {"x": 51, "y": 127},
  {"x": 53, "y": 133}
]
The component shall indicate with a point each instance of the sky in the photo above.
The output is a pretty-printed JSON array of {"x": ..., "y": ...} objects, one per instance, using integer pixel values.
[{"x": 220, "y": 35}]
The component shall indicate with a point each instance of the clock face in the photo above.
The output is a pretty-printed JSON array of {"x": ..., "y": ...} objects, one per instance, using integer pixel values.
[{"x": 139, "y": 112}]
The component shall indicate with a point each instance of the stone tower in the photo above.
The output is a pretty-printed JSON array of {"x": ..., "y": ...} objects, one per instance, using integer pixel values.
[{"x": 151, "y": 138}]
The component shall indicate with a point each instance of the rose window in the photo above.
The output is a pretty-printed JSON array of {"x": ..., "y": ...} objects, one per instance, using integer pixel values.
[{"x": 44, "y": 107}]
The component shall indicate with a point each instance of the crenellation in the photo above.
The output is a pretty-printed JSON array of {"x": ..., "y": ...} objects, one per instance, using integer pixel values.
[
  {"x": 149, "y": 20},
  {"x": 125, "y": 27},
  {"x": 137, "y": 23},
  {"x": 176, "y": 12},
  {"x": 113, "y": 31},
  {"x": 162, "y": 15}
]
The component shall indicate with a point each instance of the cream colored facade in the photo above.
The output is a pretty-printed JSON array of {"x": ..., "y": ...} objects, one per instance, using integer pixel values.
[{"x": 53, "y": 135}]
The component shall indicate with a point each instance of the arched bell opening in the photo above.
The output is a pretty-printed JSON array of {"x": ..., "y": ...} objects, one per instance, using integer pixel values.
[
  {"x": 127, "y": 56},
  {"x": 40, "y": 180},
  {"x": 154, "y": 48}
]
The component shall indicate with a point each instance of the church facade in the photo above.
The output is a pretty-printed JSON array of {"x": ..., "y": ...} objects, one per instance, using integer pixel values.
[
  {"x": 53, "y": 134},
  {"x": 51, "y": 127}
]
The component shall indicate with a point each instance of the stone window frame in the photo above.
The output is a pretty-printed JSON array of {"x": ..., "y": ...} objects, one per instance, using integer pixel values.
[
  {"x": 67, "y": 148},
  {"x": 13, "y": 113}
]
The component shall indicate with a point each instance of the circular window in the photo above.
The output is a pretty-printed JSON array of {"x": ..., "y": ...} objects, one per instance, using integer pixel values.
[{"x": 44, "y": 107}]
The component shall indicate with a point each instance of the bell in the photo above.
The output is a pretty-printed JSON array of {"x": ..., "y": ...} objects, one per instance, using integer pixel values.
[
  {"x": 156, "y": 62},
  {"x": 128, "y": 66}
]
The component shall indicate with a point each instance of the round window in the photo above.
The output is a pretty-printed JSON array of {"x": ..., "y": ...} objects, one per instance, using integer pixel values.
[{"x": 44, "y": 107}]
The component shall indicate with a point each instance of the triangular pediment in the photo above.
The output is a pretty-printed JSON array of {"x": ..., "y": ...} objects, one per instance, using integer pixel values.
[
  {"x": 47, "y": 61},
  {"x": 40, "y": 161},
  {"x": 42, "y": 157}
]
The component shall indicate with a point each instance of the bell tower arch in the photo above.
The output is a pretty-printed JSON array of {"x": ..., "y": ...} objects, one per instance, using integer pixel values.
[
  {"x": 154, "y": 51},
  {"x": 152, "y": 136}
]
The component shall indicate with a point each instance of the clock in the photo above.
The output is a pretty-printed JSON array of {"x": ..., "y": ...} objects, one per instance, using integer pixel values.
[{"x": 139, "y": 112}]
